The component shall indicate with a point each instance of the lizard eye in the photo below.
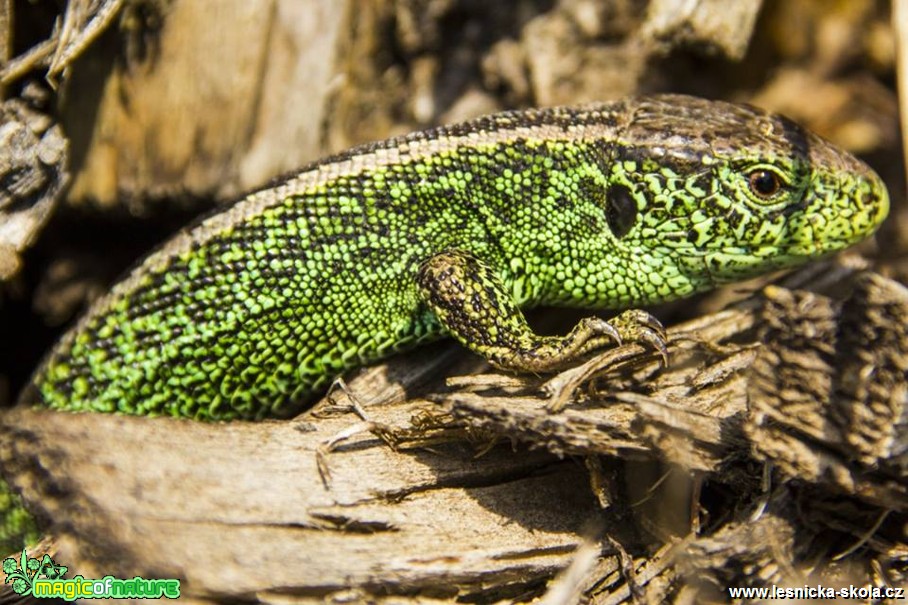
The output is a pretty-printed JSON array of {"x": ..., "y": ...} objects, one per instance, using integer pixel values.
[{"x": 764, "y": 184}]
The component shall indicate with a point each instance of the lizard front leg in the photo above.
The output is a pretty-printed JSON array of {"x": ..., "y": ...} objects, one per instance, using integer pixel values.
[{"x": 473, "y": 305}]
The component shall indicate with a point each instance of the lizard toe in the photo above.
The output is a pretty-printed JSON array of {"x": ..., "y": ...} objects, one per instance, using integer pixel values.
[
  {"x": 600, "y": 327},
  {"x": 636, "y": 325}
]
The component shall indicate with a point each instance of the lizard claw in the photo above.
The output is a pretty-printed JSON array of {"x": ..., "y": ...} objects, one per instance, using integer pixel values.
[
  {"x": 636, "y": 325},
  {"x": 604, "y": 328},
  {"x": 657, "y": 342},
  {"x": 652, "y": 323}
]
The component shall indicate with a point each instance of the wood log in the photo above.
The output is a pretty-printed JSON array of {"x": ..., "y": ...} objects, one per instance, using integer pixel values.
[{"x": 396, "y": 485}]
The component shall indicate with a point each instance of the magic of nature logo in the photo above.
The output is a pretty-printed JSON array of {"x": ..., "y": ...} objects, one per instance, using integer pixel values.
[{"x": 43, "y": 579}]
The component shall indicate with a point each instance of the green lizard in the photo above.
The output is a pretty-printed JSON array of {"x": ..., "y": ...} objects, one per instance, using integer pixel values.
[{"x": 453, "y": 231}]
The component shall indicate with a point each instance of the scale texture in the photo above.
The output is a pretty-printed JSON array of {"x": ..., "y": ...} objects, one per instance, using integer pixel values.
[{"x": 453, "y": 231}]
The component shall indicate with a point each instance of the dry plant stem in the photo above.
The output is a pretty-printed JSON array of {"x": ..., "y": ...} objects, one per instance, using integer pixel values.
[
  {"x": 561, "y": 388},
  {"x": 6, "y": 30},
  {"x": 37, "y": 56},
  {"x": 900, "y": 25},
  {"x": 83, "y": 22},
  {"x": 568, "y": 585},
  {"x": 652, "y": 580}
]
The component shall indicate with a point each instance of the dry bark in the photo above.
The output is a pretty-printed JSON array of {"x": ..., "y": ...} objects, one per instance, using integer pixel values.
[
  {"x": 33, "y": 154},
  {"x": 197, "y": 110},
  {"x": 749, "y": 456}
]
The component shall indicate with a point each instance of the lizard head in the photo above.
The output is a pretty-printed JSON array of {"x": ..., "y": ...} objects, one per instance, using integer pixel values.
[{"x": 725, "y": 192}]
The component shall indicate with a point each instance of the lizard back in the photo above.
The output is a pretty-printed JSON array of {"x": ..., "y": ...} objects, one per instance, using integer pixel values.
[{"x": 248, "y": 313}]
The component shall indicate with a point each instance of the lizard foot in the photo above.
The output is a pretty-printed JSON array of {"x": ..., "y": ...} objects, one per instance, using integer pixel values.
[{"x": 636, "y": 325}]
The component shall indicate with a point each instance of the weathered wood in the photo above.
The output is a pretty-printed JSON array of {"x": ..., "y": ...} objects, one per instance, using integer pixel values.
[
  {"x": 204, "y": 110},
  {"x": 240, "y": 509},
  {"x": 33, "y": 171},
  {"x": 319, "y": 506}
]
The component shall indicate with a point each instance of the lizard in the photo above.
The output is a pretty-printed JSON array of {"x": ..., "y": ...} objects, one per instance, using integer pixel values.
[{"x": 455, "y": 231}]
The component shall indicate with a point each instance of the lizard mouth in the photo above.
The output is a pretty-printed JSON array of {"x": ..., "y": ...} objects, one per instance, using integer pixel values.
[
  {"x": 831, "y": 225},
  {"x": 732, "y": 264}
]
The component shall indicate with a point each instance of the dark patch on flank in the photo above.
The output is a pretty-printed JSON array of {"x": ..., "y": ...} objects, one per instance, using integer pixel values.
[{"x": 620, "y": 210}]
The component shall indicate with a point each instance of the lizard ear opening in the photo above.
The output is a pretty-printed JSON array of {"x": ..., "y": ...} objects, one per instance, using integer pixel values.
[{"x": 620, "y": 210}]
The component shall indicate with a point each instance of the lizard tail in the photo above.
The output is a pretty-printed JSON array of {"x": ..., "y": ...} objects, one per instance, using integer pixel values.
[{"x": 17, "y": 526}]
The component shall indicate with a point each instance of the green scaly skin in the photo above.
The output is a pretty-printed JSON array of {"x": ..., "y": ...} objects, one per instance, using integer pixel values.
[
  {"x": 17, "y": 527},
  {"x": 453, "y": 231}
]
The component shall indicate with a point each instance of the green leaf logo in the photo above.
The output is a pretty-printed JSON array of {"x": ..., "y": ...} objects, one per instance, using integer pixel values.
[
  {"x": 51, "y": 570},
  {"x": 22, "y": 576},
  {"x": 17, "y": 573}
]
